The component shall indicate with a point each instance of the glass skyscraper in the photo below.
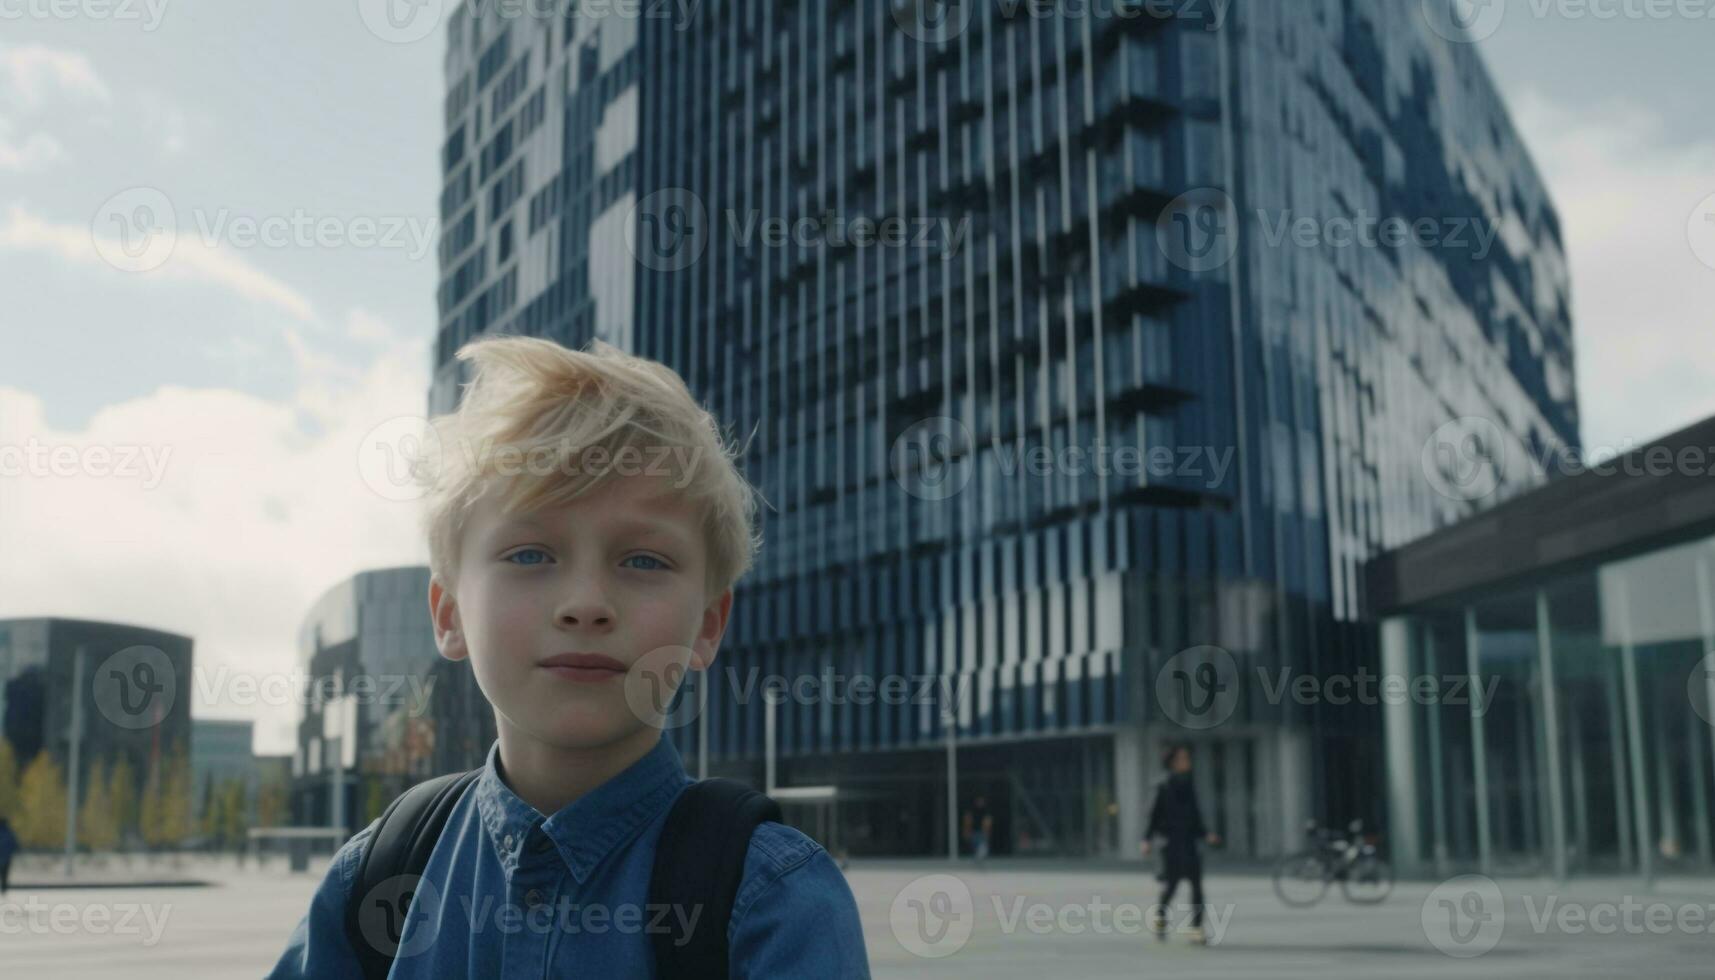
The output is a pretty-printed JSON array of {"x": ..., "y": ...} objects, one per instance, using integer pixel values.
[{"x": 1083, "y": 356}]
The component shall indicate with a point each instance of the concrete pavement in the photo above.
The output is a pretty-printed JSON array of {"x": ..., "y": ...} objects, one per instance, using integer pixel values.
[{"x": 1006, "y": 921}]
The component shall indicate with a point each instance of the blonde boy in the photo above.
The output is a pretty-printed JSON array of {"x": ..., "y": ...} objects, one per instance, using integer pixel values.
[{"x": 586, "y": 526}]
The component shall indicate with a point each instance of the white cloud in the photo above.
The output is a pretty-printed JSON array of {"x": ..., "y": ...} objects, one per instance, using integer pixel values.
[
  {"x": 362, "y": 325},
  {"x": 192, "y": 259},
  {"x": 29, "y": 72},
  {"x": 251, "y": 520},
  {"x": 165, "y": 121},
  {"x": 35, "y": 152},
  {"x": 1626, "y": 187}
]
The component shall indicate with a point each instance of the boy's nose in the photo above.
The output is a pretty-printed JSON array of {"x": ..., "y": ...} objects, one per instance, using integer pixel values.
[{"x": 585, "y": 606}]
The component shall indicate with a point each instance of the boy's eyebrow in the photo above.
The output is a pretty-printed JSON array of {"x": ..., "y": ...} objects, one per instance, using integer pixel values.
[
  {"x": 520, "y": 522},
  {"x": 646, "y": 526},
  {"x": 624, "y": 525}
]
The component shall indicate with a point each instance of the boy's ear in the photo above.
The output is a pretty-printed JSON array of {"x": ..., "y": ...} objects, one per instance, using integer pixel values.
[
  {"x": 708, "y": 641},
  {"x": 444, "y": 613}
]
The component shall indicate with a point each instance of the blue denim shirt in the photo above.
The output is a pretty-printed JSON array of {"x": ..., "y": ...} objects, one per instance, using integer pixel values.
[{"x": 509, "y": 893}]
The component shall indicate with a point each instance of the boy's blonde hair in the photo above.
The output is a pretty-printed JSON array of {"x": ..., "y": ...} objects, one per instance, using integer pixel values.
[{"x": 531, "y": 416}]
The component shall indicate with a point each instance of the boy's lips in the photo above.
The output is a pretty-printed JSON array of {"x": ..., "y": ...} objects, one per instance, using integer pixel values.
[{"x": 587, "y": 667}]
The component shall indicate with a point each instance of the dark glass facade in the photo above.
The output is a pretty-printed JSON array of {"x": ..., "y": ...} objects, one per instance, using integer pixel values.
[
  {"x": 136, "y": 694},
  {"x": 1114, "y": 233}
]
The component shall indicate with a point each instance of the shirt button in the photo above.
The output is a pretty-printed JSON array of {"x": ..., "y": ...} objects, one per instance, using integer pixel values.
[
  {"x": 507, "y": 843},
  {"x": 533, "y": 897}
]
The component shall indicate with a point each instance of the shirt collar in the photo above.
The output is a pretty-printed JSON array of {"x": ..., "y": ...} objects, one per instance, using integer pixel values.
[{"x": 589, "y": 828}]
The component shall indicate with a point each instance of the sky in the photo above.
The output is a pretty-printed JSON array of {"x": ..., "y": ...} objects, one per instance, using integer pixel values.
[{"x": 235, "y": 380}]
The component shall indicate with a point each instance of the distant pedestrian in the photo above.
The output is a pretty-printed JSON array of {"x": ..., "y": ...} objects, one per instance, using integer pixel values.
[
  {"x": 8, "y": 847},
  {"x": 1176, "y": 817},
  {"x": 979, "y": 828}
]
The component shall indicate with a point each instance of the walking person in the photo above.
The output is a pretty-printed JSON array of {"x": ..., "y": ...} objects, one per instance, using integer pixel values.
[
  {"x": 1176, "y": 817},
  {"x": 979, "y": 828},
  {"x": 8, "y": 847}
]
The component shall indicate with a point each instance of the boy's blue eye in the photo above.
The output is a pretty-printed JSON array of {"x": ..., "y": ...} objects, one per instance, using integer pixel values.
[
  {"x": 659, "y": 564},
  {"x": 526, "y": 551}
]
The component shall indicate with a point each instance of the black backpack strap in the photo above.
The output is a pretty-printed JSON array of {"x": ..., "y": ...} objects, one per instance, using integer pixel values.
[
  {"x": 699, "y": 865},
  {"x": 393, "y": 857}
]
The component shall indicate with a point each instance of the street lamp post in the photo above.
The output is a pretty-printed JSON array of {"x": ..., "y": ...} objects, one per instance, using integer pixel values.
[
  {"x": 703, "y": 726},
  {"x": 76, "y": 756},
  {"x": 949, "y": 723},
  {"x": 768, "y": 742}
]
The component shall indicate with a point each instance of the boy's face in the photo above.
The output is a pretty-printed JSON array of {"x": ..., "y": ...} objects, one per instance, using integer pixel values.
[
  {"x": 1182, "y": 761},
  {"x": 618, "y": 573}
]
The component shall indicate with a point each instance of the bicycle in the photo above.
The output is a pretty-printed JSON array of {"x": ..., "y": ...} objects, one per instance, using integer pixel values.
[{"x": 1302, "y": 879}]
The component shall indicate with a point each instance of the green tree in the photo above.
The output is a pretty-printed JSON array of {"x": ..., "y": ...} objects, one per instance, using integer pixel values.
[
  {"x": 8, "y": 780},
  {"x": 97, "y": 827},
  {"x": 42, "y": 804},
  {"x": 166, "y": 809},
  {"x": 374, "y": 799},
  {"x": 122, "y": 794},
  {"x": 179, "y": 822},
  {"x": 270, "y": 804},
  {"x": 233, "y": 825},
  {"x": 209, "y": 810},
  {"x": 149, "y": 809}
]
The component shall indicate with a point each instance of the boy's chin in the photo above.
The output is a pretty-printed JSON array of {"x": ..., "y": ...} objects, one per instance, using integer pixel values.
[{"x": 591, "y": 733}]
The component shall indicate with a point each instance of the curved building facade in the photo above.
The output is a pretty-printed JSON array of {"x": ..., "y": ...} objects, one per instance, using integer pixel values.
[{"x": 369, "y": 727}]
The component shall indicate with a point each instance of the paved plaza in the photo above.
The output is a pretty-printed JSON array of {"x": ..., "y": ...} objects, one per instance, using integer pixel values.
[{"x": 1009, "y": 920}]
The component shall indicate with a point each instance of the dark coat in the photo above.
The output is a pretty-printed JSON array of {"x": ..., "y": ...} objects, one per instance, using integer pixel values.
[{"x": 1175, "y": 814}]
